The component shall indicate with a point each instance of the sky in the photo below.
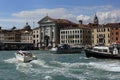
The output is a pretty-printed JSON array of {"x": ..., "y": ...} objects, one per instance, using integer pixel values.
[{"x": 18, "y": 12}]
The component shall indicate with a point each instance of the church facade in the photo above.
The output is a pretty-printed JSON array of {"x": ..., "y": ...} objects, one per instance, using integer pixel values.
[
  {"x": 50, "y": 31},
  {"x": 47, "y": 32}
]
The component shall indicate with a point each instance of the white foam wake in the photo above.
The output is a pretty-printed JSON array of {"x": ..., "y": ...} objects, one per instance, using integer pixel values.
[
  {"x": 40, "y": 63},
  {"x": 11, "y": 60},
  {"x": 108, "y": 66}
]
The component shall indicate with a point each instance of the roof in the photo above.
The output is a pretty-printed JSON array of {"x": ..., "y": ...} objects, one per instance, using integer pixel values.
[
  {"x": 36, "y": 28},
  {"x": 64, "y": 21},
  {"x": 59, "y": 21},
  {"x": 113, "y": 24}
]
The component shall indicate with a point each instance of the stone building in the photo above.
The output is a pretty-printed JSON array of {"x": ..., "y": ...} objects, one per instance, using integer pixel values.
[
  {"x": 100, "y": 33},
  {"x": 36, "y": 37},
  {"x": 26, "y": 34},
  {"x": 76, "y": 35},
  {"x": 50, "y": 31},
  {"x": 12, "y": 35}
]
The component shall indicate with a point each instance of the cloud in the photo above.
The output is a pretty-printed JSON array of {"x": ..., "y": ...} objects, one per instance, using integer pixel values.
[
  {"x": 110, "y": 16},
  {"x": 105, "y": 14},
  {"x": 84, "y": 18},
  {"x": 38, "y": 13},
  {"x": 12, "y": 20}
]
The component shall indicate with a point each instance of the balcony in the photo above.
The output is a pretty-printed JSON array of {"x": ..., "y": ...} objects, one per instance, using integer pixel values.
[{"x": 101, "y": 36}]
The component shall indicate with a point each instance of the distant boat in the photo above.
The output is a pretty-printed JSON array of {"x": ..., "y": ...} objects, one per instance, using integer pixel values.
[
  {"x": 68, "y": 49},
  {"x": 103, "y": 52},
  {"x": 25, "y": 56},
  {"x": 53, "y": 50}
]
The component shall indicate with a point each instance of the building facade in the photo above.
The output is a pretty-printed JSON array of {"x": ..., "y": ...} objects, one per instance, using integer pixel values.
[
  {"x": 79, "y": 35},
  {"x": 101, "y": 35},
  {"x": 114, "y": 32},
  {"x": 16, "y": 38},
  {"x": 26, "y": 34},
  {"x": 72, "y": 36},
  {"x": 36, "y": 37},
  {"x": 50, "y": 31}
]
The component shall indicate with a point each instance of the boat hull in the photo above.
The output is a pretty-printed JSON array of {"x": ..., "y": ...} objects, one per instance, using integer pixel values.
[
  {"x": 69, "y": 50},
  {"x": 90, "y": 53}
]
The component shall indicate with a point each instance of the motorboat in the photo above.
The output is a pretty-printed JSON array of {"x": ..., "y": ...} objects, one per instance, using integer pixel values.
[
  {"x": 103, "y": 52},
  {"x": 25, "y": 56},
  {"x": 65, "y": 48}
]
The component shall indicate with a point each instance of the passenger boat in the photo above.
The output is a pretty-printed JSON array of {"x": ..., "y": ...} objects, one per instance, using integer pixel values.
[
  {"x": 25, "y": 56},
  {"x": 103, "y": 52},
  {"x": 65, "y": 48}
]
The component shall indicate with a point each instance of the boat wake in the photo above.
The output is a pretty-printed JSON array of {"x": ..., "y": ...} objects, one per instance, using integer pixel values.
[
  {"x": 11, "y": 60},
  {"x": 48, "y": 70},
  {"x": 107, "y": 66}
]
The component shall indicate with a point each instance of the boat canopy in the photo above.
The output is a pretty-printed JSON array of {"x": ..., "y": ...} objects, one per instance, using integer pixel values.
[{"x": 101, "y": 47}]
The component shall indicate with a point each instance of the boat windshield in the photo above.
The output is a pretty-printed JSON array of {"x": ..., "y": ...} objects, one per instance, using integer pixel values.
[
  {"x": 101, "y": 49},
  {"x": 26, "y": 53}
]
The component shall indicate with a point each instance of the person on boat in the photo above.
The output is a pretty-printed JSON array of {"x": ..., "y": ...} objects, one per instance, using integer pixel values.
[{"x": 115, "y": 51}]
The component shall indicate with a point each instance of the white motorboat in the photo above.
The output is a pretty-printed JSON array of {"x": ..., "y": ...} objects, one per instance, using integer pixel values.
[{"x": 25, "y": 56}]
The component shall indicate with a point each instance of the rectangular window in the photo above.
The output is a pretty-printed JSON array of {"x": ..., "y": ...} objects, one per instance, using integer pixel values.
[
  {"x": 117, "y": 33},
  {"x": 116, "y": 38}
]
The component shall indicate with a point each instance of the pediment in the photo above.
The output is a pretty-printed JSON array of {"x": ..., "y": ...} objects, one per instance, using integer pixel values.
[{"x": 46, "y": 20}]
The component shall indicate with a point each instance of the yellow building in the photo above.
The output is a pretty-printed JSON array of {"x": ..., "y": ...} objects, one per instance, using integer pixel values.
[{"x": 100, "y": 35}]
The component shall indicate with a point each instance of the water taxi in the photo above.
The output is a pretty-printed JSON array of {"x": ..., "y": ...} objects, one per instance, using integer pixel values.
[
  {"x": 103, "y": 52},
  {"x": 25, "y": 56}
]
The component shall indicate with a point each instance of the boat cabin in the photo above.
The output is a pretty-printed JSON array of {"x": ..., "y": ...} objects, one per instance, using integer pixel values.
[{"x": 101, "y": 49}]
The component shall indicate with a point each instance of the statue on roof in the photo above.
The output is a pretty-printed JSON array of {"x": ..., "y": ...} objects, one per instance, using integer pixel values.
[{"x": 27, "y": 26}]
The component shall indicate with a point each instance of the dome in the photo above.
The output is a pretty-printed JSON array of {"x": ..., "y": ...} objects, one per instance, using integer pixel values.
[{"x": 27, "y": 26}]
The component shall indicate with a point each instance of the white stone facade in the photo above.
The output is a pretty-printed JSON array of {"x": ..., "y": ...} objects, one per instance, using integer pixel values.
[{"x": 71, "y": 36}]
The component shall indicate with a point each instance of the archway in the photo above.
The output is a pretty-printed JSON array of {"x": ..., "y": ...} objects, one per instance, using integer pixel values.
[{"x": 46, "y": 38}]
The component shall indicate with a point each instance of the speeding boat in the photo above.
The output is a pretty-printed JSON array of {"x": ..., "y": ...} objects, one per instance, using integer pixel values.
[
  {"x": 25, "y": 56},
  {"x": 103, "y": 52}
]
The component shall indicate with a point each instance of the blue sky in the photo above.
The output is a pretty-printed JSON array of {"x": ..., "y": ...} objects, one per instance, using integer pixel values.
[{"x": 18, "y": 12}]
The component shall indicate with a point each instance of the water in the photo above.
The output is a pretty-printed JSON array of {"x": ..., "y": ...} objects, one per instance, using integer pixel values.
[{"x": 58, "y": 67}]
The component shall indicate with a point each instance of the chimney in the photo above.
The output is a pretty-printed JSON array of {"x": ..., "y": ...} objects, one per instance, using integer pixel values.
[{"x": 80, "y": 22}]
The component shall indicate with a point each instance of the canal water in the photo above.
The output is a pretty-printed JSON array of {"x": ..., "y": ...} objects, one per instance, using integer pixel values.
[{"x": 51, "y": 66}]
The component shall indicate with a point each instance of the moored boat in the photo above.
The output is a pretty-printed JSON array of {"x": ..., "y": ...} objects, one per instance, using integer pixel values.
[
  {"x": 103, "y": 52},
  {"x": 68, "y": 49},
  {"x": 25, "y": 56}
]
